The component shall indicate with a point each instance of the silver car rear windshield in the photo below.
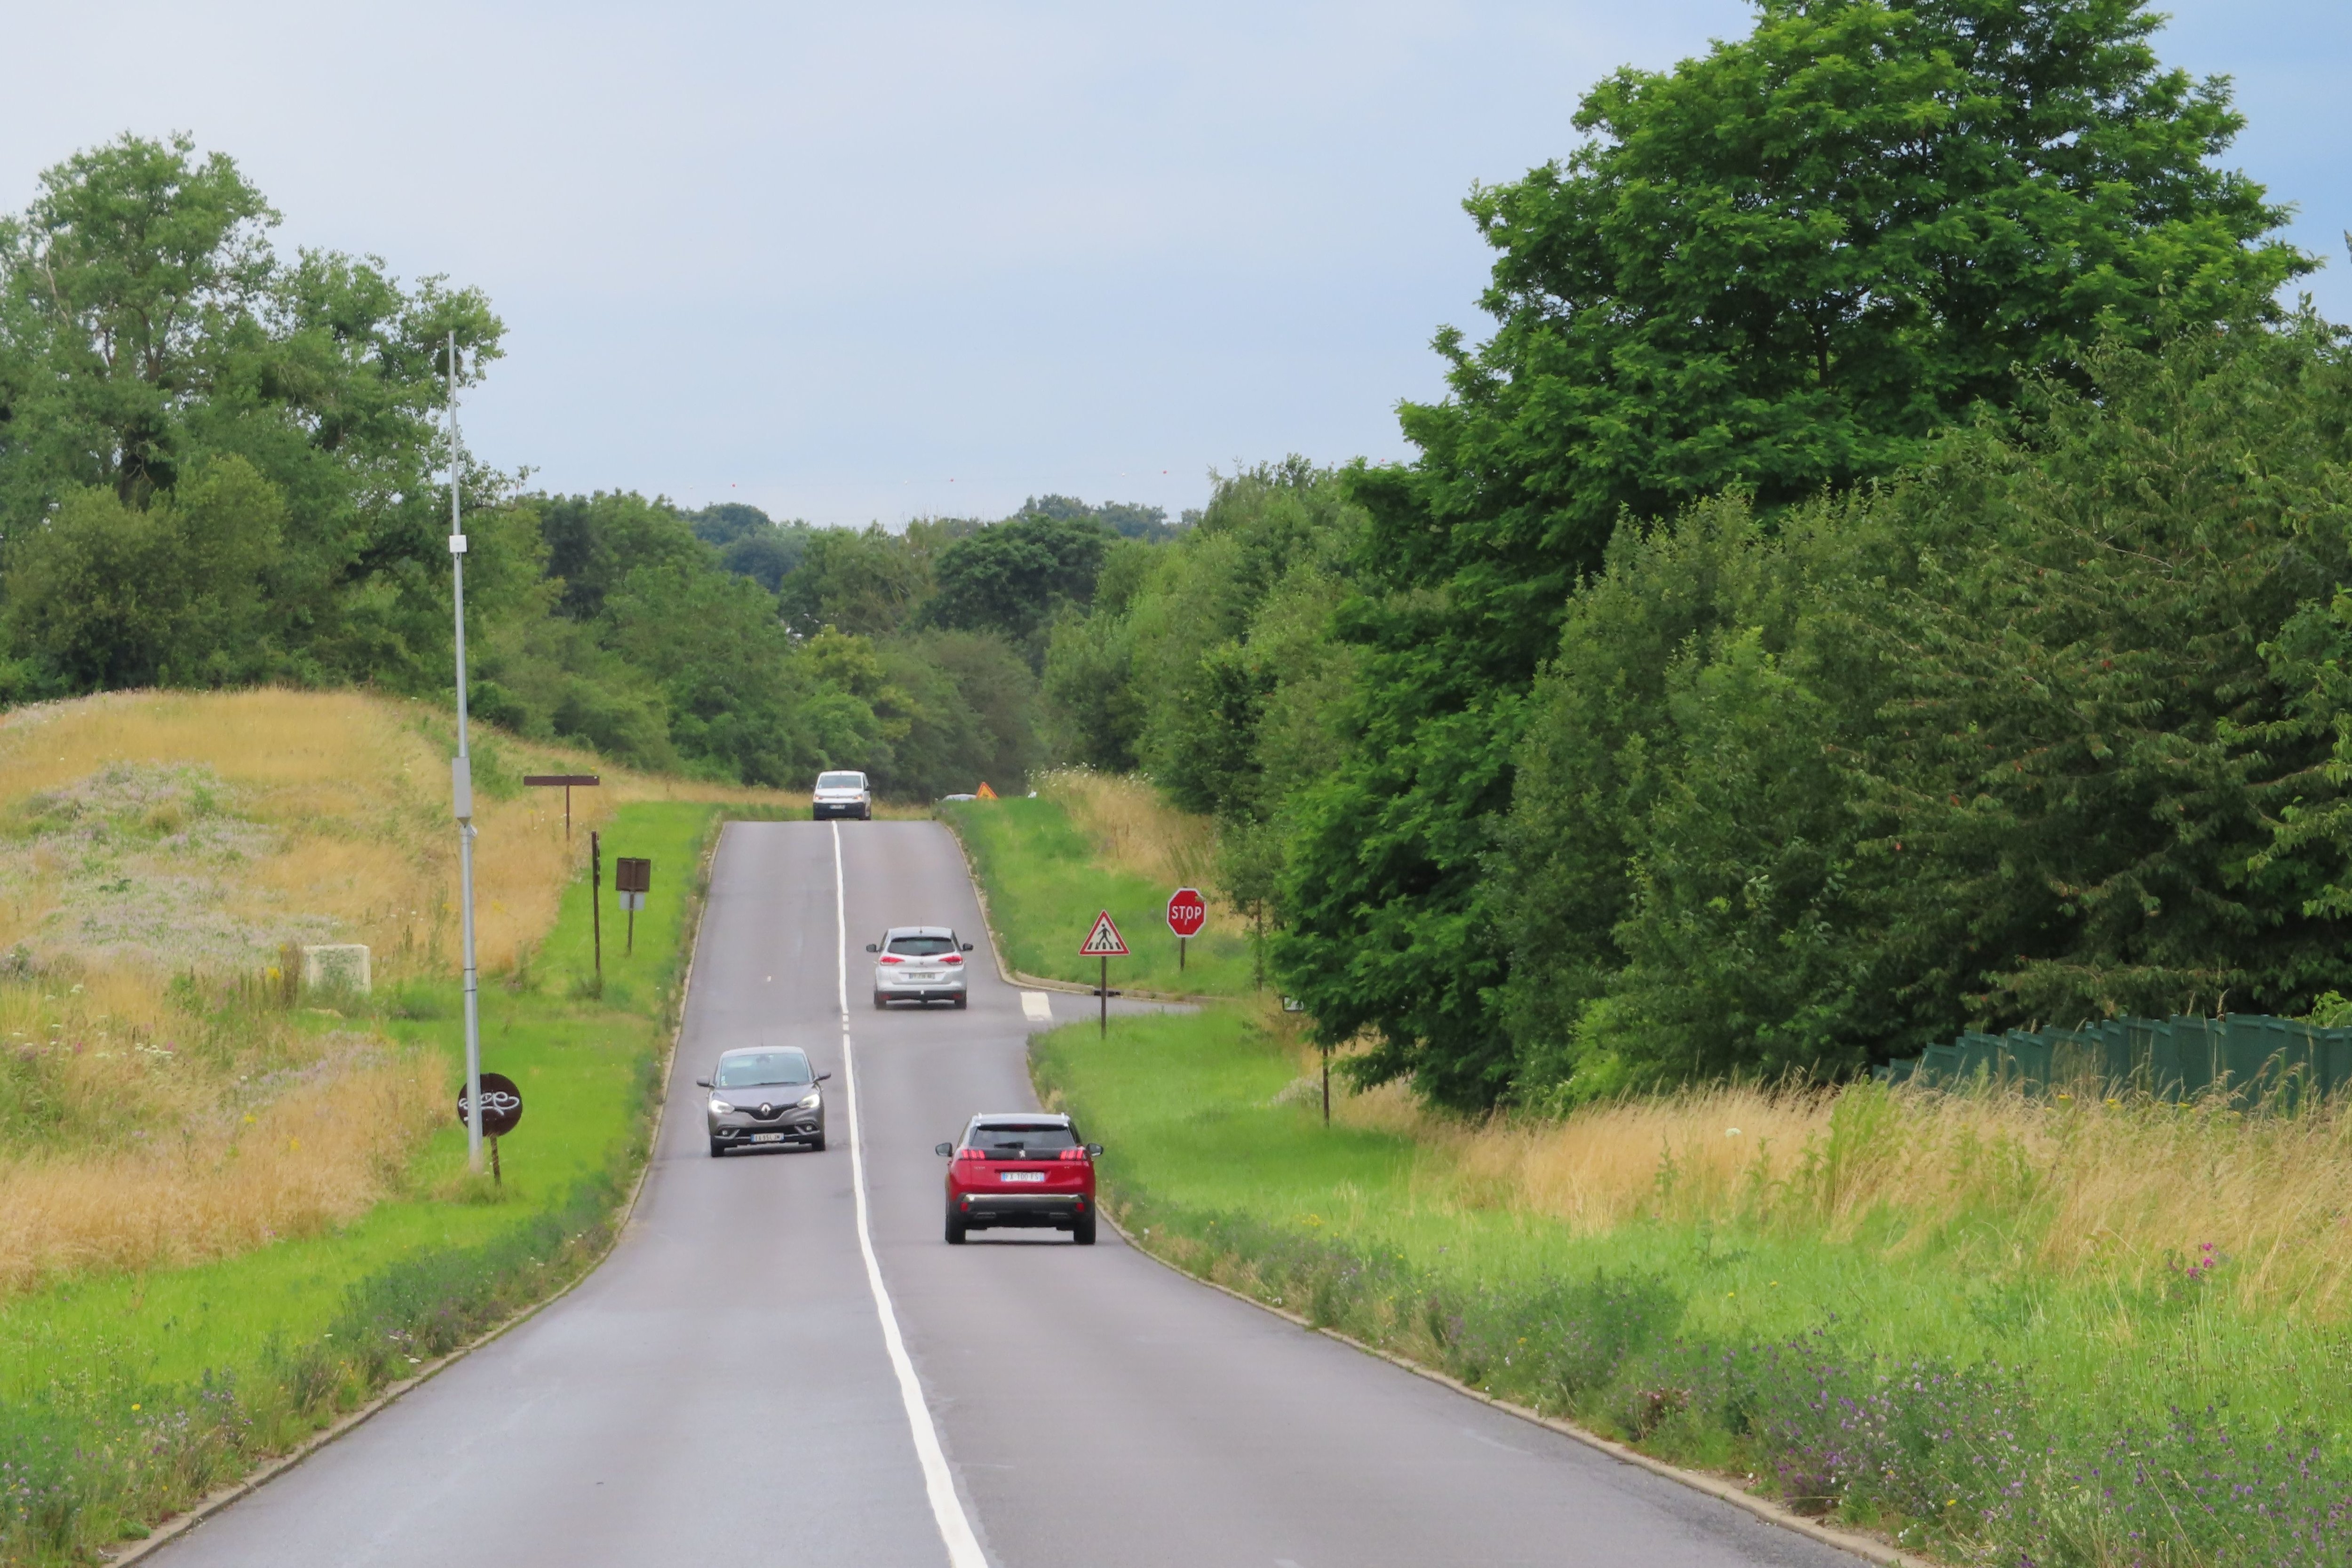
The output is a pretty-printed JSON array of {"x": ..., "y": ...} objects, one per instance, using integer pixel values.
[
  {"x": 840, "y": 781},
  {"x": 1016, "y": 1142},
  {"x": 923, "y": 946},
  {"x": 763, "y": 1067}
]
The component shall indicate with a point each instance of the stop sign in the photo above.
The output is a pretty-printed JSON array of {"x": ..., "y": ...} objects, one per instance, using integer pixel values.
[{"x": 1186, "y": 911}]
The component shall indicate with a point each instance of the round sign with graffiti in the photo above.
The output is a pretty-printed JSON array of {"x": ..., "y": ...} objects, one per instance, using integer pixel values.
[{"x": 501, "y": 1105}]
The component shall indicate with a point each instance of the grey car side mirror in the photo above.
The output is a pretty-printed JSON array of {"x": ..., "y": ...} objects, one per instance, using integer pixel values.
[
  {"x": 873, "y": 947},
  {"x": 967, "y": 947},
  {"x": 945, "y": 1150},
  {"x": 1094, "y": 1151},
  {"x": 702, "y": 1083},
  {"x": 822, "y": 1076}
]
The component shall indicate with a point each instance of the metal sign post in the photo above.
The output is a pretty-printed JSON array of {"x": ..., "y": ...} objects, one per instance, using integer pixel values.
[
  {"x": 585, "y": 781},
  {"x": 1104, "y": 942},
  {"x": 1187, "y": 912},
  {"x": 633, "y": 879},
  {"x": 461, "y": 789}
]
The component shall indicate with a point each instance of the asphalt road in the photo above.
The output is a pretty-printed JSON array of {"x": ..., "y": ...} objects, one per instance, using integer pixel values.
[{"x": 724, "y": 1388}]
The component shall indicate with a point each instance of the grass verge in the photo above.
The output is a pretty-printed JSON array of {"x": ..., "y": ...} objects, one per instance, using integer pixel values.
[
  {"x": 125, "y": 1396},
  {"x": 1941, "y": 1383},
  {"x": 1045, "y": 881}
]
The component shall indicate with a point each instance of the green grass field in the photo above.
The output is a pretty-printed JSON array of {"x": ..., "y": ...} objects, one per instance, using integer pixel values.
[
  {"x": 124, "y": 1397},
  {"x": 1044, "y": 887},
  {"x": 1982, "y": 1414}
]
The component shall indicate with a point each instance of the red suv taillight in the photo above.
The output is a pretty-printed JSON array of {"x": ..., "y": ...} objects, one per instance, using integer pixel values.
[
  {"x": 1073, "y": 1154},
  {"x": 971, "y": 1153}
]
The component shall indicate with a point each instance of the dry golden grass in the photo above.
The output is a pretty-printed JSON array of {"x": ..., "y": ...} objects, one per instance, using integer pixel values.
[
  {"x": 2074, "y": 1187},
  {"x": 139, "y": 1132},
  {"x": 297, "y": 1164},
  {"x": 1135, "y": 830},
  {"x": 147, "y": 1135},
  {"x": 353, "y": 789}
]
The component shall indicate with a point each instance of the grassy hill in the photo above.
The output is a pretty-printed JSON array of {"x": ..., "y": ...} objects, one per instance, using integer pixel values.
[
  {"x": 1988, "y": 1326},
  {"x": 1090, "y": 842},
  {"x": 229, "y": 1210}
]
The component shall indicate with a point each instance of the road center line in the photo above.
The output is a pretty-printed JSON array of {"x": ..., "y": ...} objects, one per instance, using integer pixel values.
[{"x": 947, "y": 1509}]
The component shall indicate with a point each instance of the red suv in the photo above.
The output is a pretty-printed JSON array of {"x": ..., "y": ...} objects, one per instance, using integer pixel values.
[{"x": 1025, "y": 1168}]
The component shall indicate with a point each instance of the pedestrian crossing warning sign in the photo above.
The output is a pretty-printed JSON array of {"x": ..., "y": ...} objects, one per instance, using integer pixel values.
[{"x": 1103, "y": 942}]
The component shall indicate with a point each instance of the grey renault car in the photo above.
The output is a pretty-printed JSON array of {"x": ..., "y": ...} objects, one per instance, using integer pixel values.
[{"x": 766, "y": 1096}]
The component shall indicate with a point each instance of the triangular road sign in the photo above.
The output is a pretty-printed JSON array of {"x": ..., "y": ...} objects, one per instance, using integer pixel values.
[{"x": 1103, "y": 942}]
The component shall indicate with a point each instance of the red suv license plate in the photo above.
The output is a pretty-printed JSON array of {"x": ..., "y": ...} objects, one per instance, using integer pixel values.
[{"x": 1020, "y": 1175}]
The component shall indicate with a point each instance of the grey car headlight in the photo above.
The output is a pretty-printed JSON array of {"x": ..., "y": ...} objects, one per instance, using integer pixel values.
[
  {"x": 719, "y": 1107},
  {"x": 810, "y": 1100}
]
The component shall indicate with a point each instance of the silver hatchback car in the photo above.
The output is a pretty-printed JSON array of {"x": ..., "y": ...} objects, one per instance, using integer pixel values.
[
  {"x": 765, "y": 1095},
  {"x": 918, "y": 963}
]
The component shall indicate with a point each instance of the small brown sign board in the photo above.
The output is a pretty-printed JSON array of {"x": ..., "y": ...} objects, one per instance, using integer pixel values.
[{"x": 633, "y": 875}]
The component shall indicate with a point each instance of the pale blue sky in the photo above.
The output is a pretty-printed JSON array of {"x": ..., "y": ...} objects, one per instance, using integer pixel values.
[{"x": 874, "y": 261}]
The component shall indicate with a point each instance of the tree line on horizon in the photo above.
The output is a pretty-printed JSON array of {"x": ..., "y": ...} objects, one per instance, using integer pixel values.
[
  {"x": 1883, "y": 574},
  {"x": 219, "y": 466}
]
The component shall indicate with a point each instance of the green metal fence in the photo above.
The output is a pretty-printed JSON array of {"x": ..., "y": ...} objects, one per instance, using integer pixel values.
[{"x": 2250, "y": 1056}]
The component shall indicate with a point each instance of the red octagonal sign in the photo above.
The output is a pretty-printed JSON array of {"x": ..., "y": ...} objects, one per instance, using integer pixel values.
[{"x": 1187, "y": 911}]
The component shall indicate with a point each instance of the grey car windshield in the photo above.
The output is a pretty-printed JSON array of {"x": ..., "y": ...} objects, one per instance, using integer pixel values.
[
  {"x": 923, "y": 946},
  {"x": 759, "y": 1068},
  {"x": 840, "y": 781},
  {"x": 1005, "y": 1142}
]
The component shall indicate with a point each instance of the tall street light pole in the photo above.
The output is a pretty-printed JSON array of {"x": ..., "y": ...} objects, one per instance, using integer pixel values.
[{"x": 461, "y": 778}]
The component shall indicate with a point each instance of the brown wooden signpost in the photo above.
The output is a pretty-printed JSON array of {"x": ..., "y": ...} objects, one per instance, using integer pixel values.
[
  {"x": 584, "y": 780},
  {"x": 633, "y": 879}
]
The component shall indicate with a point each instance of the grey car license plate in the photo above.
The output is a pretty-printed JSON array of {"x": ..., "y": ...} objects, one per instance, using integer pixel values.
[
  {"x": 767, "y": 1137},
  {"x": 925, "y": 979},
  {"x": 1023, "y": 1175}
]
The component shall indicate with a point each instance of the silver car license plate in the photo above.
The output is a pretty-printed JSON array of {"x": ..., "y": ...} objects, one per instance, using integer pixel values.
[
  {"x": 767, "y": 1137},
  {"x": 924, "y": 979},
  {"x": 1021, "y": 1176}
]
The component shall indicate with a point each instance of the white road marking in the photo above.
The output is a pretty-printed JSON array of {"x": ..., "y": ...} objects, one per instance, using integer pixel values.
[
  {"x": 947, "y": 1509},
  {"x": 1034, "y": 1004}
]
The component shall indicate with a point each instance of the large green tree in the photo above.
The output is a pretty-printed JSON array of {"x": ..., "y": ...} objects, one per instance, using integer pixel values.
[
  {"x": 1013, "y": 577},
  {"x": 1778, "y": 267},
  {"x": 2047, "y": 730},
  {"x": 864, "y": 582},
  {"x": 149, "y": 333}
]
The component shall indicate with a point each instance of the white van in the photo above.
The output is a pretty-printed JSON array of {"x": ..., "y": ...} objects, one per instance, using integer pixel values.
[{"x": 843, "y": 795}]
